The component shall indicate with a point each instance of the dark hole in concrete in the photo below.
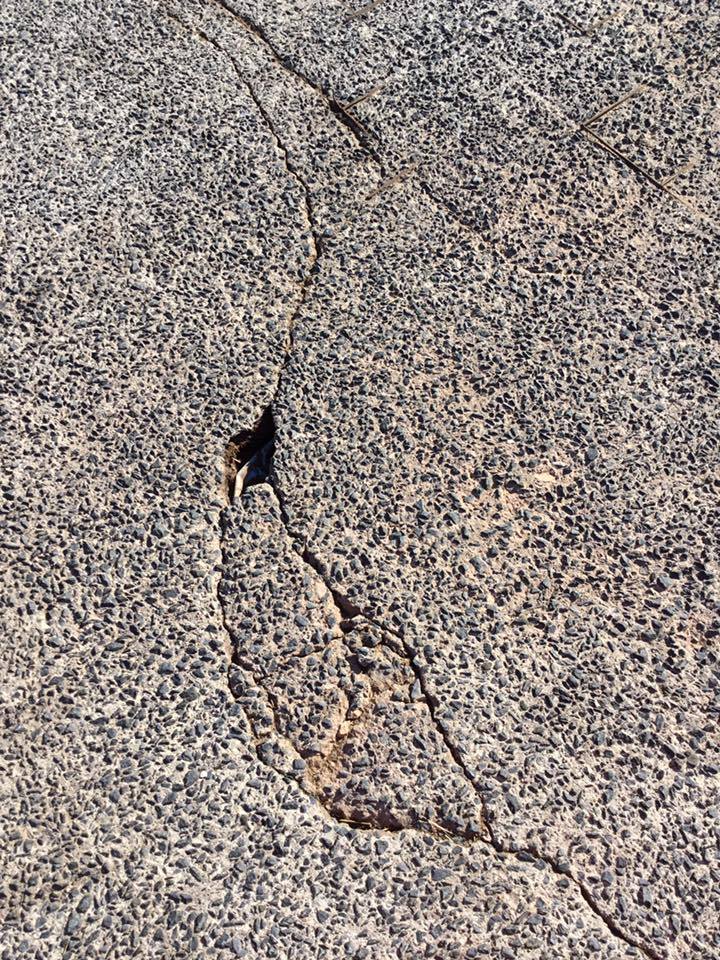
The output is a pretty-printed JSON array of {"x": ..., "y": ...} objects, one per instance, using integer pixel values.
[{"x": 252, "y": 449}]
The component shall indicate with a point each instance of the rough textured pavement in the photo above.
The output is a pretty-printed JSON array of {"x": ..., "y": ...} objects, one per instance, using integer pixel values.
[{"x": 360, "y": 479}]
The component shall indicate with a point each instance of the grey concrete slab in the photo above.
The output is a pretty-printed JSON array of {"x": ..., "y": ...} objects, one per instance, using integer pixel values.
[
  {"x": 519, "y": 522},
  {"x": 360, "y": 484}
]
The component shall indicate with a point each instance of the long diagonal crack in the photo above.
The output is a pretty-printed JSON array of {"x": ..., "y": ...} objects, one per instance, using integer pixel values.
[
  {"x": 358, "y": 132},
  {"x": 365, "y": 139},
  {"x": 249, "y": 460}
]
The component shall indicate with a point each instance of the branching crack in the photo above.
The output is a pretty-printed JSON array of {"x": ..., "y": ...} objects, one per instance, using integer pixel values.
[
  {"x": 249, "y": 460},
  {"x": 359, "y": 133},
  {"x": 348, "y": 613},
  {"x": 365, "y": 139},
  {"x": 368, "y": 141}
]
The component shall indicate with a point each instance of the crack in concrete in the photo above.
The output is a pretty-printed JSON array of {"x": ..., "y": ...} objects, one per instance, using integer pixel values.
[
  {"x": 347, "y": 613},
  {"x": 366, "y": 138},
  {"x": 359, "y": 133},
  {"x": 351, "y": 611},
  {"x": 246, "y": 445},
  {"x": 629, "y": 162}
]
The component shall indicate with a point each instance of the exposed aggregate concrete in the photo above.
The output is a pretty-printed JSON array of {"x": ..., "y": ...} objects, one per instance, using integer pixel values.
[{"x": 435, "y": 673}]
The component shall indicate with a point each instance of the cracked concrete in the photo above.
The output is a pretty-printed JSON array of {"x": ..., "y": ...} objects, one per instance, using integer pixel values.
[
  {"x": 387, "y": 795},
  {"x": 361, "y": 501}
]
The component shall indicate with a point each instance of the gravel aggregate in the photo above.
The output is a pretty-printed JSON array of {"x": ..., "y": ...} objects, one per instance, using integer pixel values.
[{"x": 360, "y": 495}]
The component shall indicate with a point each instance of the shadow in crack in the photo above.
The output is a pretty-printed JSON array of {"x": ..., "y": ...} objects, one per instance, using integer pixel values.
[{"x": 248, "y": 456}]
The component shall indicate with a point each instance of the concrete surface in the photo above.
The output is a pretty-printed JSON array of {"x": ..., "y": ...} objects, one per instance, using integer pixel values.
[{"x": 360, "y": 479}]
